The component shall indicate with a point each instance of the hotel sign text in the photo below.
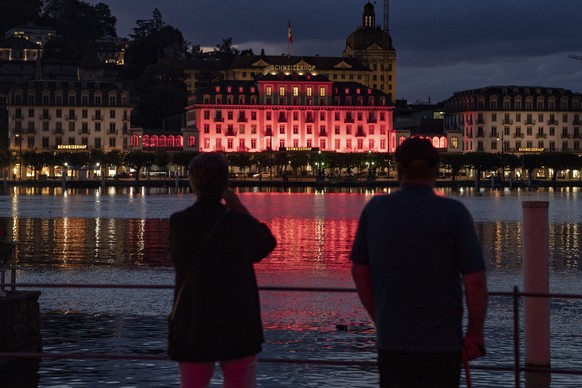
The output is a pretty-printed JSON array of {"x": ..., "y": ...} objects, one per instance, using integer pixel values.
[
  {"x": 289, "y": 68},
  {"x": 72, "y": 147}
]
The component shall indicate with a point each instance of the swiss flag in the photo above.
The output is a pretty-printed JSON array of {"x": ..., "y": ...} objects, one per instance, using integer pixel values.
[{"x": 290, "y": 33}]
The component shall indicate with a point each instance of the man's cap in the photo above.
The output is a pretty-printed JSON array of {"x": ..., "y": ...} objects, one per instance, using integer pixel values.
[{"x": 417, "y": 149}]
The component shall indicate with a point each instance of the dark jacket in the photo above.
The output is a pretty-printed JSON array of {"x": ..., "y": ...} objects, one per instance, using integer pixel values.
[{"x": 218, "y": 315}]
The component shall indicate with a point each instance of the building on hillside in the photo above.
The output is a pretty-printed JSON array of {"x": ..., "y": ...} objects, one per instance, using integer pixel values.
[
  {"x": 373, "y": 45},
  {"x": 38, "y": 35},
  {"x": 50, "y": 115},
  {"x": 515, "y": 119},
  {"x": 19, "y": 49},
  {"x": 278, "y": 112}
]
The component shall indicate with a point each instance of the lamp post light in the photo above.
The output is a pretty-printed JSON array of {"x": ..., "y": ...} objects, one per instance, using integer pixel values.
[{"x": 19, "y": 139}]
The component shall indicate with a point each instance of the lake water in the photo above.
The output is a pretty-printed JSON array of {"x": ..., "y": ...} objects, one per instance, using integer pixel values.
[{"x": 120, "y": 236}]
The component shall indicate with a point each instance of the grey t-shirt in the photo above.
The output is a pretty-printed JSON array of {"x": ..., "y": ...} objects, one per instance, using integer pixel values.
[{"x": 417, "y": 245}]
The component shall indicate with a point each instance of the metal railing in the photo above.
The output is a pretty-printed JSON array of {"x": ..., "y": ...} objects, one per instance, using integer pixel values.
[{"x": 516, "y": 366}]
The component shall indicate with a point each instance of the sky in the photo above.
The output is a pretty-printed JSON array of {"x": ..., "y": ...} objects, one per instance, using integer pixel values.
[{"x": 441, "y": 46}]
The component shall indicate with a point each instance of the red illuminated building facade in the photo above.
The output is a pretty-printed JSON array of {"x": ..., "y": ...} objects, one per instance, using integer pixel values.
[{"x": 289, "y": 111}]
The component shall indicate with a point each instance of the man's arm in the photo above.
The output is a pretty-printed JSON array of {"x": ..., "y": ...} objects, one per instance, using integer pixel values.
[
  {"x": 363, "y": 279},
  {"x": 476, "y": 300}
]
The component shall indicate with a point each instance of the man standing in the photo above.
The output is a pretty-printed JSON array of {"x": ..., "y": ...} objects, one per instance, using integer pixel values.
[{"x": 413, "y": 253}]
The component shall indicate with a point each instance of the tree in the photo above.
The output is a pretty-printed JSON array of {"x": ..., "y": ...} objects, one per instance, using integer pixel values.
[
  {"x": 138, "y": 160},
  {"x": 162, "y": 159},
  {"x": 17, "y": 12},
  {"x": 482, "y": 161},
  {"x": 558, "y": 161},
  {"x": 34, "y": 160},
  {"x": 455, "y": 162},
  {"x": 162, "y": 93},
  {"x": 153, "y": 41},
  {"x": 530, "y": 163}
]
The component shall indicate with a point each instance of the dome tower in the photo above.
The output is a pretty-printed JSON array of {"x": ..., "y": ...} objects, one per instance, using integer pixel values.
[{"x": 373, "y": 46}]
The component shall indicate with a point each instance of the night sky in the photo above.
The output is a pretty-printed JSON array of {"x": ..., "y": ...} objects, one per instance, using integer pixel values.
[{"x": 441, "y": 46}]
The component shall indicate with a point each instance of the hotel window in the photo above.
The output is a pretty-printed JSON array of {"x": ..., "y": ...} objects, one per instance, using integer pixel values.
[
  {"x": 360, "y": 144},
  {"x": 337, "y": 130},
  {"x": 71, "y": 126},
  {"x": 454, "y": 142},
  {"x": 360, "y": 116},
  {"x": 45, "y": 126},
  {"x": 322, "y": 115},
  {"x": 269, "y": 90},
  {"x": 309, "y": 129},
  {"x": 322, "y": 130},
  {"x": 253, "y": 129},
  {"x": 84, "y": 113},
  {"x": 253, "y": 115},
  {"x": 253, "y": 144},
  {"x": 241, "y": 129},
  {"x": 309, "y": 91},
  {"x": 541, "y": 144},
  {"x": 282, "y": 129},
  {"x": 295, "y": 115},
  {"x": 112, "y": 114},
  {"x": 565, "y": 118},
  {"x": 383, "y": 144},
  {"x": 281, "y": 144},
  {"x": 322, "y": 144},
  {"x": 84, "y": 141},
  {"x": 206, "y": 115},
  {"x": 371, "y": 129},
  {"x": 349, "y": 144},
  {"x": 295, "y": 91},
  {"x": 218, "y": 128},
  {"x": 309, "y": 143},
  {"x": 540, "y": 105},
  {"x": 112, "y": 142},
  {"x": 229, "y": 115},
  {"x": 112, "y": 100},
  {"x": 564, "y": 146},
  {"x": 229, "y": 144},
  {"x": 296, "y": 130},
  {"x": 97, "y": 127},
  {"x": 540, "y": 117},
  {"x": 97, "y": 143},
  {"x": 281, "y": 91},
  {"x": 206, "y": 128},
  {"x": 337, "y": 144},
  {"x": 322, "y": 91},
  {"x": 348, "y": 129},
  {"x": 268, "y": 130},
  {"x": 336, "y": 116},
  {"x": 382, "y": 130},
  {"x": 371, "y": 144},
  {"x": 295, "y": 143},
  {"x": 241, "y": 145}
]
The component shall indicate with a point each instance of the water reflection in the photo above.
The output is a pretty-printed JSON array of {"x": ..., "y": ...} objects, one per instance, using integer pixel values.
[{"x": 314, "y": 231}]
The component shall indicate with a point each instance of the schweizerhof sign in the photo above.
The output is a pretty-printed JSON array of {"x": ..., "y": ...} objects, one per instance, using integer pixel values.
[{"x": 271, "y": 68}]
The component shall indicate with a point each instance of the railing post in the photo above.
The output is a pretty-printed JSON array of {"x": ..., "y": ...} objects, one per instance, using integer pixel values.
[
  {"x": 516, "y": 352},
  {"x": 536, "y": 280}
]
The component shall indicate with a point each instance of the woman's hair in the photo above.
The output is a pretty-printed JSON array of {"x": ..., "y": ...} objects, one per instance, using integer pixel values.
[
  {"x": 417, "y": 158},
  {"x": 208, "y": 175}
]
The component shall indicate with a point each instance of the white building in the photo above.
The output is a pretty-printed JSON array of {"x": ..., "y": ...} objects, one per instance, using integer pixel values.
[{"x": 514, "y": 119}]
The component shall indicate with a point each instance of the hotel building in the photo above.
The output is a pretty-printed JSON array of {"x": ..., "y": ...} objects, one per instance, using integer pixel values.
[
  {"x": 278, "y": 112},
  {"x": 514, "y": 119},
  {"x": 49, "y": 115}
]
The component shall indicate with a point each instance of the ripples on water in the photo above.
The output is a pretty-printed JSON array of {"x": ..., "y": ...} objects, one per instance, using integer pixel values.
[{"x": 121, "y": 237}]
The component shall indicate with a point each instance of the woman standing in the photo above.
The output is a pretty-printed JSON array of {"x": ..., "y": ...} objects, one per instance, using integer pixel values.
[{"x": 216, "y": 315}]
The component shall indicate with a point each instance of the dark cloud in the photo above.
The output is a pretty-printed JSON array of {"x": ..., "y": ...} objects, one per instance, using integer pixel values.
[{"x": 442, "y": 46}]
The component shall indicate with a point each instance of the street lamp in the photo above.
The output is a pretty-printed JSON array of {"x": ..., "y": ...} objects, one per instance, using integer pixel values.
[{"x": 19, "y": 138}]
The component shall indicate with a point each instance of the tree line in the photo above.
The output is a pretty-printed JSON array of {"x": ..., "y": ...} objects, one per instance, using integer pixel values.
[{"x": 298, "y": 163}]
